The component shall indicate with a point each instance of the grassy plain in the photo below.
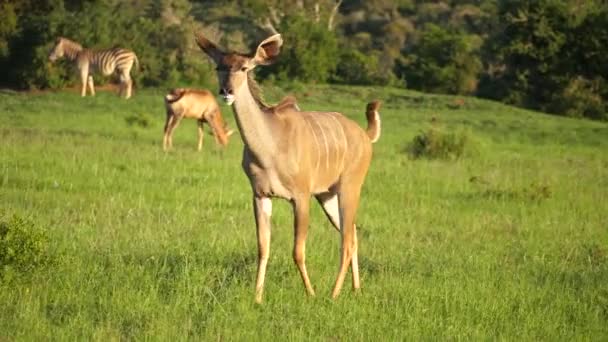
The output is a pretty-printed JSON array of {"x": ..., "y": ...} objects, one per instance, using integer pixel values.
[{"x": 509, "y": 242}]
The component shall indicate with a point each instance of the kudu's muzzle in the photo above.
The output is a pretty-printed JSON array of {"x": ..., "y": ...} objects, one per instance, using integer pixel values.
[{"x": 227, "y": 95}]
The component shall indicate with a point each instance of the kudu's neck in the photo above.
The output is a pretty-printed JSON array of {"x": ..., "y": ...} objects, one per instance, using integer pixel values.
[{"x": 257, "y": 127}]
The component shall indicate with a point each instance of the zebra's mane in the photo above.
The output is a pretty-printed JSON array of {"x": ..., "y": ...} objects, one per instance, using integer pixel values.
[{"x": 70, "y": 47}]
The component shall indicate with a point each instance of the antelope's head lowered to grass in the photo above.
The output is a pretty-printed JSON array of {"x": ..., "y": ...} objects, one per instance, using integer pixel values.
[{"x": 196, "y": 104}]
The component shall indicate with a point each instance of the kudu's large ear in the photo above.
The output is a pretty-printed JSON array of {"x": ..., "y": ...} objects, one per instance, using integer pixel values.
[
  {"x": 268, "y": 50},
  {"x": 209, "y": 48}
]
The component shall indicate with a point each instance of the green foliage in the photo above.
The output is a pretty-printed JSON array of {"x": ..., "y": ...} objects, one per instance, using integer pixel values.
[
  {"x": 159, "y": 31},
  {"x": 548, "y": 59},
  {"x": 139, "y": 119},
  {"x": 533, "y": 192},
  {"x": 534, "y": 34},
  {"x": 528, "y": 53},
  {"x": 310, "y": 52},
  {"x": 23, "y": 245},
  {"x": 8, "y": 26},
  {"x": 355, "y": 67},
  {"x": 582, "y": 98},
  {"x": 443, "y": 62},
  {"x": 440, "y": 143}
]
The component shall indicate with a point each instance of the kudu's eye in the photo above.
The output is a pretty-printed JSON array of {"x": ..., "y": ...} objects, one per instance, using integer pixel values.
[{"x": 243, "y": 69}]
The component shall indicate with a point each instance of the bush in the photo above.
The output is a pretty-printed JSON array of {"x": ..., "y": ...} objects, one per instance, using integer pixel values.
[
  {"x": 581, "y": 98},
  {"x": 23, "y": 246},
  {"x": 437, "y": 143},
  {"x": 443, "y": 62},
  {"x": 142, "y": 120}
]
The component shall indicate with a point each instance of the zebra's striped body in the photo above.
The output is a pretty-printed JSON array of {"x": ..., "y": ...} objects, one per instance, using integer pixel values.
[{"x": 106, "y": 62}]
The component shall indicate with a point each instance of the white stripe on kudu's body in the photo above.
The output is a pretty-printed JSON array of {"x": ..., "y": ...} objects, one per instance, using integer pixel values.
[
  {"x": 316, "y": 144},
  {"x": 325, "y": 142},
  {"x": 340, "y": 139},
  {"x": 284, "y": 157}
]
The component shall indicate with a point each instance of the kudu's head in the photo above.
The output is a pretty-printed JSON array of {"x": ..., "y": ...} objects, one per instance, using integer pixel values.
[
  {"x": 232, "y": 67},
  {"x": 57, "y": 51}
]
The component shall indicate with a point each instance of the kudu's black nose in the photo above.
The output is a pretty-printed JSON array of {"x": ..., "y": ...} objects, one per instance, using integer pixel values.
[{"x": 225, "y": 92}]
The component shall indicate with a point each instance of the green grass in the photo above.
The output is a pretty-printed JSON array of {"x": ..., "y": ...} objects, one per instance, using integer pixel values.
[{"x": 510, "y": 242}]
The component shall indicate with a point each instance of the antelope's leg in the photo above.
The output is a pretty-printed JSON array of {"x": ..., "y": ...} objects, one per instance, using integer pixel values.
[
  {"x": 262, "y": 207},
  {"x": 91, "y": 85},
  {"x": 301, "y": 207},
  {"x": 329, "y": 203},
  {"x": 166, "y": 131},
  {"x": 175, "y": 120},
  {"x": 348, "y": 199},
  {"x": 201, "y": 134}
]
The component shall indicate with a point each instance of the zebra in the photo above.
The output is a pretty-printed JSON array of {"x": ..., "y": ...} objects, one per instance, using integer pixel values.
[{"x": 107, "y": 61}]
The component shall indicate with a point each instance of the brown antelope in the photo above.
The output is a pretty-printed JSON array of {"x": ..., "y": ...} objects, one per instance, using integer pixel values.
[
  {"x": 294, "y": 155},
  {"x": 195, "y": 104}
]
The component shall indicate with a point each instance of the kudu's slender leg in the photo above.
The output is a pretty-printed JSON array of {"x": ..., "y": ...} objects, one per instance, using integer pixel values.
[
  {"x": 301, "y": 208},
  {"x": 91, "y": 85},
  {"x": 348, "y": 199},
  {"x": 175, "y": 120},
  {"x": 262, "y": 207},
  {"x": 329, "y": 203},
  {"x": 201, "y": 134},
  {"x": 166, "y": 131},
  {"x": 354, "y": 263}
]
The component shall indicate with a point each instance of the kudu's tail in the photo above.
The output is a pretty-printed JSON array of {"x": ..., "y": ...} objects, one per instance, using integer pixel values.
[
  {"x": 175, "y": 95},
  {"x": 373, "y": 120}
]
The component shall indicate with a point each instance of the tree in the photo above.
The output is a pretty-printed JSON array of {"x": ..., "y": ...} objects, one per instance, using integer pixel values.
[
  {"x": 528, "y": 45},
  {"x": 442, "y": 62},
  {"x": 310, "y": 53}
]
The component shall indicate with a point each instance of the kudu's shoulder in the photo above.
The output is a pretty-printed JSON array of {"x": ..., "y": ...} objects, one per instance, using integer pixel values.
[{"x": 287, "y": 104}]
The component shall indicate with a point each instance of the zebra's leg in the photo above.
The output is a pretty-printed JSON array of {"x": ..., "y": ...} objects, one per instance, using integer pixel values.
[
  {"x": 129, "y": 87},
  {"x": 83, "y": 82},
  {"x": 125, "y": 81},
  {"x": 91, "y": 85},
  {"x": 121, "y": 86}
]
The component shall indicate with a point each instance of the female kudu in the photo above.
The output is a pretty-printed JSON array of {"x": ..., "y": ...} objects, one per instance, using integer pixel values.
[
  {"x": 195, "y": 104},
  {"x": 294, "y": 154}
]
